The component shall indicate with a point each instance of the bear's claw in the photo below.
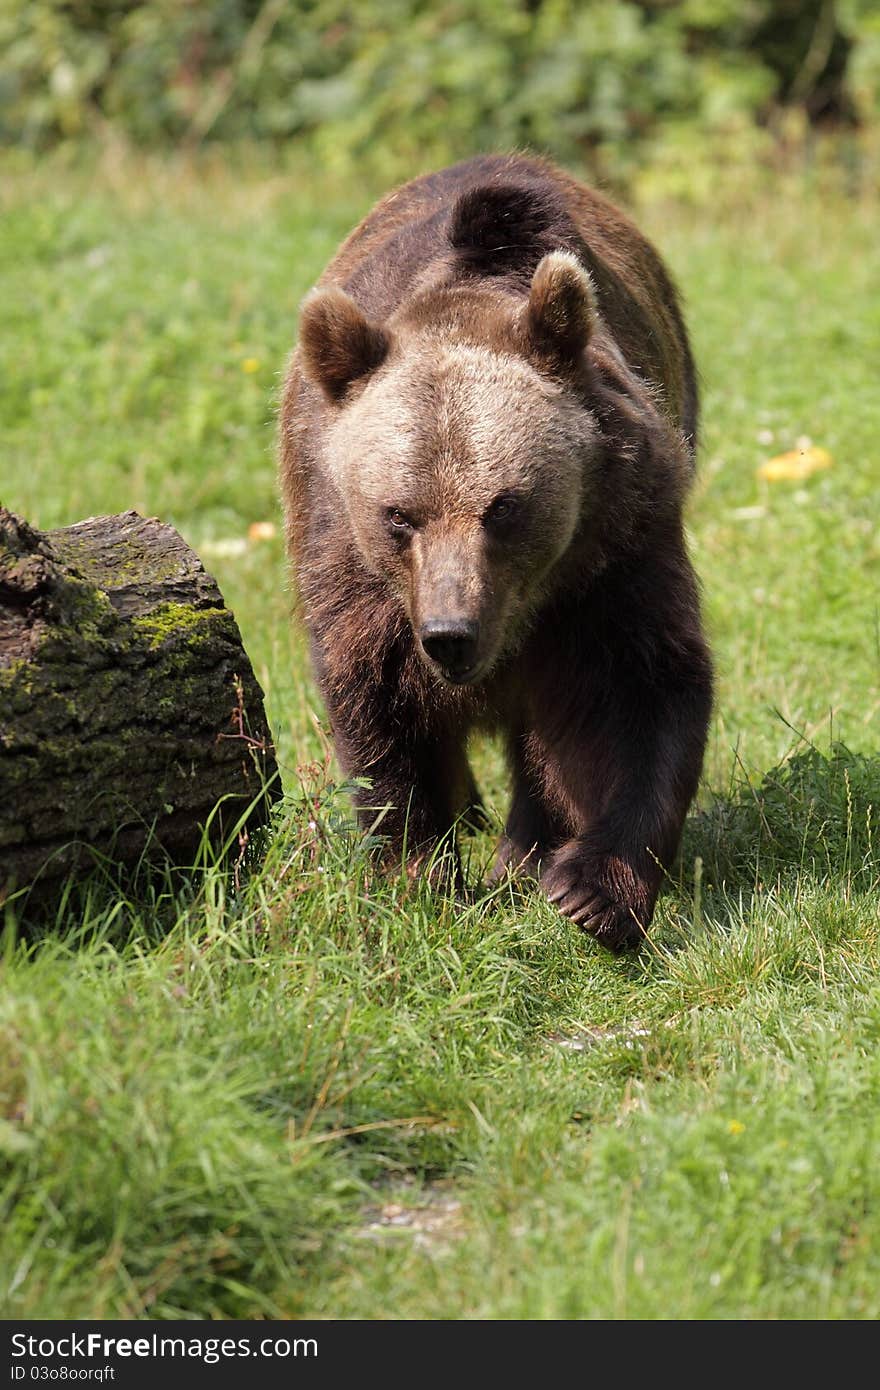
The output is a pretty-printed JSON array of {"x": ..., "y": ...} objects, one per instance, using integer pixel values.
[{"x": 579, "y": 895}]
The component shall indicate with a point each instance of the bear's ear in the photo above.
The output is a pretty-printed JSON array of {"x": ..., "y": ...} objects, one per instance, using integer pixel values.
[
  {"x": 561, "y": 311},
  {"x": 338, "y": 342}
]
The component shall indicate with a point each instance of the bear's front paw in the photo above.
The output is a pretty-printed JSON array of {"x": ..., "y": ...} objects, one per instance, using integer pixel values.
[{"x": 603, "y": 896}]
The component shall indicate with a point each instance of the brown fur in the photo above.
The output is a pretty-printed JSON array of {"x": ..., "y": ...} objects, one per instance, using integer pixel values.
[{"x": 487, "y": 435}]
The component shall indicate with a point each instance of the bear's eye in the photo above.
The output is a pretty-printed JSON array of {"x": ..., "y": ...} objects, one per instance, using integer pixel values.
[
  {"x": 502, "y": 510},
  {"x": 398, "y": 520}
]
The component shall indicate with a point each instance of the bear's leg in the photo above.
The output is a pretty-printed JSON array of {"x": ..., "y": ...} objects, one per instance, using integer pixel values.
[
  {"x": 531, "y": 829},
  {"x": 416, "y": 784},
  {"x": 625, "y": 767},
  {"x": 633, "y": 804}
]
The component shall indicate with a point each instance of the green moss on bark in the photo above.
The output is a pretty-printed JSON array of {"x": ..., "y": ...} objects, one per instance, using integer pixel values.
[
  {"x": 126, "y": 703},
  {"x": 179, "y": 624}
]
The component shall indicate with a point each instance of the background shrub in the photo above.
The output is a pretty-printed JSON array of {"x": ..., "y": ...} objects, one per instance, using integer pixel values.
[{"x": 433, "y": 78}]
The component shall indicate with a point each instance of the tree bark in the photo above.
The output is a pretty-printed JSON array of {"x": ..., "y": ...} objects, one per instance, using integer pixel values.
[{"x": 130, "y": 717}]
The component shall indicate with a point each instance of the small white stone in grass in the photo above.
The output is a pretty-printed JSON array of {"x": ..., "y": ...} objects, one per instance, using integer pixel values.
[
  {"x": 588, "y": 1037},
  {"x": 224, "y": 548},
  {"x": 572, "y": 1044},
  {"x": 748, "y": 513}
]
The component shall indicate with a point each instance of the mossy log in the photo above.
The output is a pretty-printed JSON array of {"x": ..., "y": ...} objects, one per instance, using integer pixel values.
[{"x": 130, "y": 716}]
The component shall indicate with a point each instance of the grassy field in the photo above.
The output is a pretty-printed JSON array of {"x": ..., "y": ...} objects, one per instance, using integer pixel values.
[{"x": 325, "y": 1098}]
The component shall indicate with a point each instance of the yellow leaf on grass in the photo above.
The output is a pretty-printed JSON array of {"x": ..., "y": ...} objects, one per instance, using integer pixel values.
[
  {"x": 795, "y": 465},
  {"x": 261, "y": 531}
]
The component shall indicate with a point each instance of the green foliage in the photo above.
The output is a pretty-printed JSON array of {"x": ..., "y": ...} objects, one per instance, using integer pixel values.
[
  {"x": 409, "y": 79},
  {"x": 759, "y": 835}
]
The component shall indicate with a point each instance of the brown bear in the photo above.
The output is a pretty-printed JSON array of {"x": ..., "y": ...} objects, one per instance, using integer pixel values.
[{"x": 487, "y": 433}]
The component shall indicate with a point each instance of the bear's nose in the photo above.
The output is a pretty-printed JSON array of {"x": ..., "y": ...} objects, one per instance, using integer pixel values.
[{"x": 451, "y": 642}]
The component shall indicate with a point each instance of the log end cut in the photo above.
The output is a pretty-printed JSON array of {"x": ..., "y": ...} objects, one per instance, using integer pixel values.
[{"x": 130, "y": 716}]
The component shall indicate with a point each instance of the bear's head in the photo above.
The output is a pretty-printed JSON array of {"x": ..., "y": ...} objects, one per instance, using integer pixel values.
[{"x": 460, "y": 445}]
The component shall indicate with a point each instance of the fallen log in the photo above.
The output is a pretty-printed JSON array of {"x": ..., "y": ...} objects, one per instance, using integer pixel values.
[{"x": 130, "y": 716}]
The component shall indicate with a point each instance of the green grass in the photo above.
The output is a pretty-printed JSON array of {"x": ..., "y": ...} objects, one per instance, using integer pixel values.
[{"x": 326, "y": 1096}]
